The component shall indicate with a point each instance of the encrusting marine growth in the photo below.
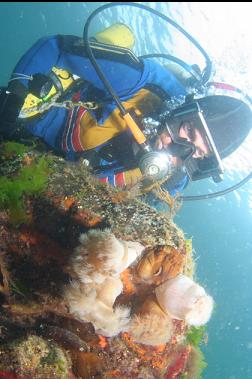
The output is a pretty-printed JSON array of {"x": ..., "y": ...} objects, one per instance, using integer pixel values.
[{"x": 93, "y": 274}]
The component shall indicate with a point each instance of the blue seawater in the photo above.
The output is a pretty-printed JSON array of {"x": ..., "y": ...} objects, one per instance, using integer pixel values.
[{"x": 221, "y": 228}]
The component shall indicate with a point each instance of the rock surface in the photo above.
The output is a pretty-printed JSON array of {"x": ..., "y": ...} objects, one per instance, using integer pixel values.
[{"x": 35, "y": 268}]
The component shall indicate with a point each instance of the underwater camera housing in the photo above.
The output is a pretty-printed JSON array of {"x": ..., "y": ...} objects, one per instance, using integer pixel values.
[{"x": 209, "y": 166}]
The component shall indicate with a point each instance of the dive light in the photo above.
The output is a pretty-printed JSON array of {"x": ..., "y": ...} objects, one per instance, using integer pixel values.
[{"x": 156, "y": 165}]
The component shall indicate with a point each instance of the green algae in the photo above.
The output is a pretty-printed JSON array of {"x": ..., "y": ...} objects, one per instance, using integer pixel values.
[
  {"x": 196, "y": 335},
  {"x": 196, "y": 363},
  {"x": 29, "y": 180},
  {"x": 15, "y": 148}
]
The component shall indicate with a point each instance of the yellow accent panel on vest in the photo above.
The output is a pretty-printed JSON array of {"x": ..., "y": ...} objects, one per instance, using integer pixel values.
[
  {"x": 64, "y": 76},
  {"x": 32, "y": 101},
  {"x": 93, "y": 134}
]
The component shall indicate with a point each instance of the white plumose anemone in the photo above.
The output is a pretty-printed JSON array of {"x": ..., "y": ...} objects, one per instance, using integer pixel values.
[
  {"x": 186, "y": 300},
  {"x": 100, "y": 254},
  {"x": 96, "y": 266},
  {"x": 95, "y": 305}
]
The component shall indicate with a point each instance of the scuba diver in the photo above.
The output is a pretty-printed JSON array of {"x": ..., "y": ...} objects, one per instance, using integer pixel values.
[{"x": 158, "y": 131}]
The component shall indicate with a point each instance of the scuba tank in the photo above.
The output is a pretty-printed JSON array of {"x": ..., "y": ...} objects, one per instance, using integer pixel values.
[{"x": 117, "y": 34}]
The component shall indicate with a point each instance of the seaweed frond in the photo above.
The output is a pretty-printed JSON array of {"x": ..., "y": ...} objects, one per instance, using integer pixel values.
[{"x": 30, "y": 180}]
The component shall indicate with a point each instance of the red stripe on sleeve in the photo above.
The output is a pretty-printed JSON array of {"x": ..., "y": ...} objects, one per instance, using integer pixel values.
[
  {"x": 64, "y": 138},
  {"x": 76, "y": 142},
  {"x": 103, "y": 180},
  {"x": 119, "y": 180}
]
